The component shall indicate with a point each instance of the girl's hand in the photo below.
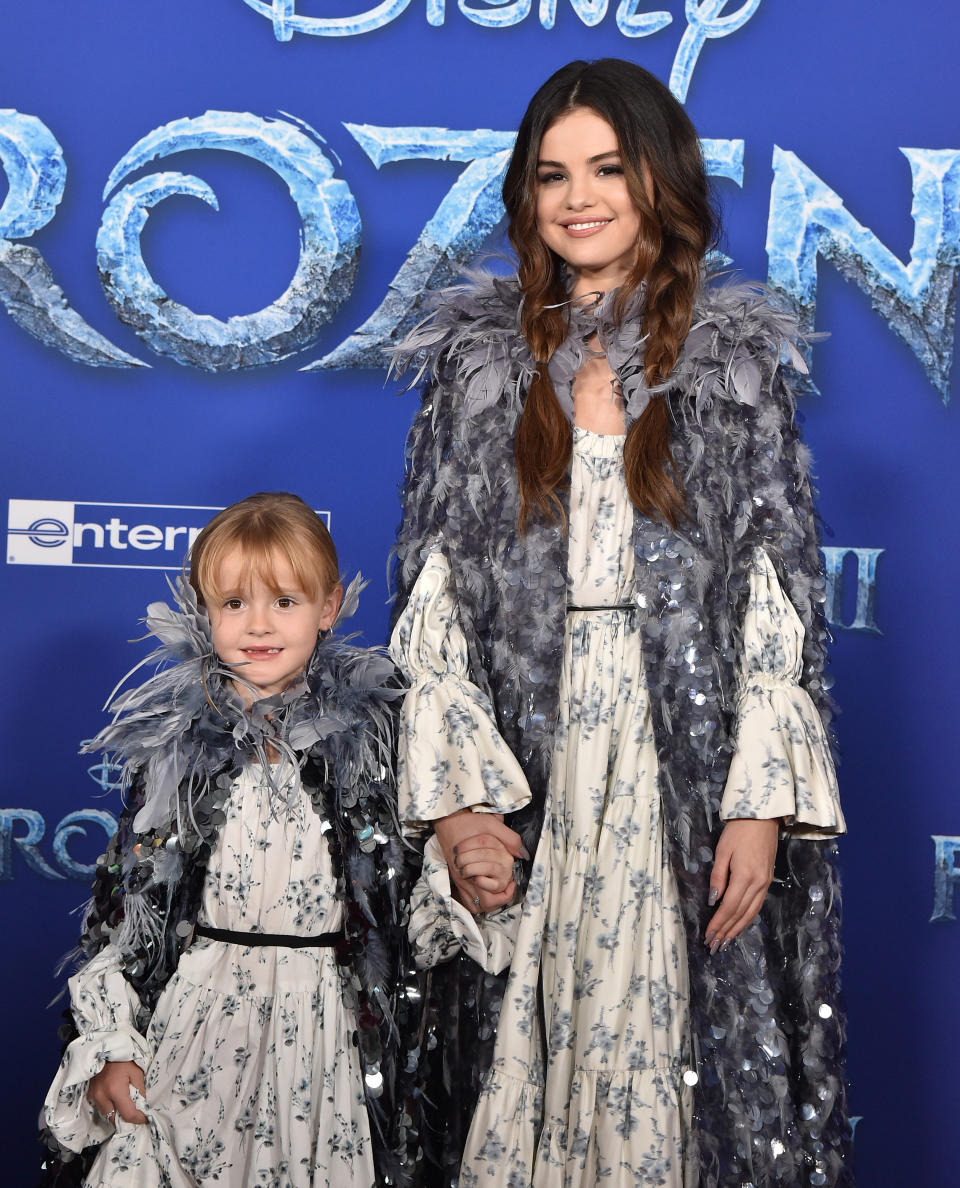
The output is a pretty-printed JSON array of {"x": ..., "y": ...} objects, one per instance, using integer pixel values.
[
  {"x": 742, "y": 872},
  {"x": 455, "y": 829},
  {"x": 109, "y": 1090},
  {"x": 487, "y": 863}
]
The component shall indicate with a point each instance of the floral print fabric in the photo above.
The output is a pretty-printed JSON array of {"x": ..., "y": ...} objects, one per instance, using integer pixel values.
[
  {"x": 251, "y": 1074},
  {"x": 587, "y": 1084},
  {"x": 782, "y": 765}
]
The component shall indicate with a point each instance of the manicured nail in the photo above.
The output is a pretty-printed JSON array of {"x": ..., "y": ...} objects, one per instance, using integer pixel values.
[
  {"x": 715, "y": 947},
  {"x": 524, "y": 853},
  {"x": 456, "y": 849},
  {"x": 709, "y": 937},
  {"x": 713, "y": 896},
  {"x": 726, "y": 944}
]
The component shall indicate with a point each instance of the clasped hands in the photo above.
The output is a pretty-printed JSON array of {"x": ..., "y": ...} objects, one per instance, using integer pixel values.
[{"x": 480, "y": 850}]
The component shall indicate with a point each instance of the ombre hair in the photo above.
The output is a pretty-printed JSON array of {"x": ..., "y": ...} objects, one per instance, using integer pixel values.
[
  {"x": 656, "y": 141},
  {"x": 265, "y": 527}
]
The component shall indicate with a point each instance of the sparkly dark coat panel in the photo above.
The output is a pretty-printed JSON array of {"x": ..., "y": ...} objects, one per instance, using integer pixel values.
[
  {"x": 350, "y": 711},
  {"x": 767, "y": 1023}
]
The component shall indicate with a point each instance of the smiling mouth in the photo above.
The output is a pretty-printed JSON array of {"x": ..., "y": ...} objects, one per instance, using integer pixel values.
[
  {"x": 260, "y": 653},
  {"x": 586, "y": 225}
]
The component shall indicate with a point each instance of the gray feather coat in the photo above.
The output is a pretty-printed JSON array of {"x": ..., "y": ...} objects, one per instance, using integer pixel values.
[{"x": 767, "y": 1024}]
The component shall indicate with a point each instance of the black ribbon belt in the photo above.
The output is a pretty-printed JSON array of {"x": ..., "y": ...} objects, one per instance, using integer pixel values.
[
  {"x": 617, "y": 606},
  {"x": 323, "y": 940}
]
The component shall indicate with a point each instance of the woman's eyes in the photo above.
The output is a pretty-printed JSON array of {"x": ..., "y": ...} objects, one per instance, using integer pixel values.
[{"x": 602, "y": 171}]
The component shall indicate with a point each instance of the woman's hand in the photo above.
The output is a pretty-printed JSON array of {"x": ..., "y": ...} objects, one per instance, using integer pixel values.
[
  {"x": 463, "y": 826},
  {"x": 109, "y": 1090},
  {"x": 742, "y": 872}
]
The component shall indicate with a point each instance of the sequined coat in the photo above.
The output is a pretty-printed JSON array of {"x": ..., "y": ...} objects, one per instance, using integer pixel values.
[
  {"x": 339, "y": 724},
  {"x": 767, "y": 1023}
]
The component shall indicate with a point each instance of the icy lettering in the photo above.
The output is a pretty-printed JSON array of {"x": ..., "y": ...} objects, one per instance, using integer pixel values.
[
  {"x": 706, "y": 20},
  {"x": 865, "y": 618},
  {"x": 918, "y": 299},
  {"x": 462, "y": 223},
  {"x": 330, "y": 243},
  {"x": 36, "y": 173},
  {"x": 946, "y": 877}
]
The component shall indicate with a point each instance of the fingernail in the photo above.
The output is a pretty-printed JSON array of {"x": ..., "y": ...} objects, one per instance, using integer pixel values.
[
  {"x": 715, "y": 948},
  {"x": 726, "y": 944},
  {"x": 524, "y": 853},
  {"x": 713, "y": 896},
  {"x": 456, "y": 849},
  {"x": 709, "y": 937}
]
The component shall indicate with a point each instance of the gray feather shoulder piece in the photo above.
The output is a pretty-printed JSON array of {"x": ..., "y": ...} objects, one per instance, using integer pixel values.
[
  {"x": 185, "y": 726},
  {"x": 741, "y": 334}
]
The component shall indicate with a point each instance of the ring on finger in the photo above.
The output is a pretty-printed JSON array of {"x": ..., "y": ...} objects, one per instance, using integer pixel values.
[{"x": 111, "y": 1117}]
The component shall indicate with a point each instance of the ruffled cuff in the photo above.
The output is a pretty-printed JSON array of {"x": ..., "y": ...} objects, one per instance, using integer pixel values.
[
  {"x": 782, "y": 766},
  {"x": 104, "y": 1007},
  {"x": 451, "y": 755},
  {"x": 440, "y": 927}
]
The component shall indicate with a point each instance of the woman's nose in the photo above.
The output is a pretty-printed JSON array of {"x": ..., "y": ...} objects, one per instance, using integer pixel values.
[{"x": 580, "y": 192}]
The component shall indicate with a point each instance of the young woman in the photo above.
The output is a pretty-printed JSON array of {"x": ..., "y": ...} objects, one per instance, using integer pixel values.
[
  {"x": 611, "y": 615},
  {"x": 247, "y": 924}
]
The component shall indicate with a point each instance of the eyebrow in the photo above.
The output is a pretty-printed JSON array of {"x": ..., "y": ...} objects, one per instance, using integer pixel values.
[{"x": 590, "y": 160}]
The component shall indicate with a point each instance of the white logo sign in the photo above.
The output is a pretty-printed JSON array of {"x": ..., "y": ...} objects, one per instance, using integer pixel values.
[{"x": 111, "y": 535}]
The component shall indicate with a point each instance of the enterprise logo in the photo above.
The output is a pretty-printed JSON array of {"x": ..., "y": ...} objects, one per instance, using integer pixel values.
[{"x": 110, "y": 535}]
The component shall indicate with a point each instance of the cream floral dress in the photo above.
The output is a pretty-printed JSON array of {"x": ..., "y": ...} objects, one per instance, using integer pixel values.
[
  {"x": 252, "y": 1077},
  {"x": 592, "y": 1073}
]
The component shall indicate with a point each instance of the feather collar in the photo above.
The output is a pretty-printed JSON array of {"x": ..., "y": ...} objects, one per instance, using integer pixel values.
[
  {"x": 185, "y": 727},
  {"x": 476, "y": 331}
]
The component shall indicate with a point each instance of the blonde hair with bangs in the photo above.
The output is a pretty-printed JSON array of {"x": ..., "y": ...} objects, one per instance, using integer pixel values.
[{"x": 263, "y": 527}]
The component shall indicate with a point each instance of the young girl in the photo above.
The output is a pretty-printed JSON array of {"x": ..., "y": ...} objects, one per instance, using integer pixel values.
[
  {"x": 236, "y": 1020},
  {"x": 611, "y": 615}
]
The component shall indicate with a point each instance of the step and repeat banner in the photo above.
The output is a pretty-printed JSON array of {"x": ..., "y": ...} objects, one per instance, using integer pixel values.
[{"x": 216, "y": 218}]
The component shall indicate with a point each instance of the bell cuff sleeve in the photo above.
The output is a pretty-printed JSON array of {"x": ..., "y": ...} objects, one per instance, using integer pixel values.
[
  {"x": 451, "y": 755},
  {"x": 782, "y": 766},
  {"x": 440, "y": 927},
  {"x": 104, "y": 1006}
]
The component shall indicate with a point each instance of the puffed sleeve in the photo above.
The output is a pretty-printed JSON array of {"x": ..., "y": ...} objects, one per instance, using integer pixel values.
[
  {"x": 451, "y": 755},
  {"x": 440, "y": 927},
  {"x": 104, "y": 1006},
  {"x": 782, "y": 766}
]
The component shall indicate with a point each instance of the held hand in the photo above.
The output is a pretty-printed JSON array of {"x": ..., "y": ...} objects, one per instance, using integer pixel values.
[
  {"x": 109, "y": 1090},
  {"x": 742, "y": 871},
  {"x": 486, "y": 862},
  {"x": 455, "y": 829}
]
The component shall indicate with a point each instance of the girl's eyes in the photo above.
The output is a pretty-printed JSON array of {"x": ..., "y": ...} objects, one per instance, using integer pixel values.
[
  {"x": 610, "y": 170},
  {"x": 233, "y": 604},
  {"x": 285, "y": 603}
]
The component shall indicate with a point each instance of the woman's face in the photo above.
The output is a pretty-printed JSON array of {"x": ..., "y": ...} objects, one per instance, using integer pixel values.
[{"x": 584, "y": 210}]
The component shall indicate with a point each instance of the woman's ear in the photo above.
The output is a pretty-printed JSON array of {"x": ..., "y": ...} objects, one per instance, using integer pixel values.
[{"x": 331, "y": 605}]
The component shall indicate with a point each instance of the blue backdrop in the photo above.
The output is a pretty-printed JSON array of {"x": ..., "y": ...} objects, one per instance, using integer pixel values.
[{"x": 169, "y": 274}]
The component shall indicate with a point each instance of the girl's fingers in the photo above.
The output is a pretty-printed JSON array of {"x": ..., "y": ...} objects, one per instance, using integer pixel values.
[{"x": 492, "y": 883}]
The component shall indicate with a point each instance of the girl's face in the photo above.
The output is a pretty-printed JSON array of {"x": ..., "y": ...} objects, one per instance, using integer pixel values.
[
  {"x": 584, "y": 210},
  {"x": 267, "y": 637}
]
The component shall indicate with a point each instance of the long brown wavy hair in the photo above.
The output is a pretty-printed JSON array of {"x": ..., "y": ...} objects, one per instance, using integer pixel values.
[{"x": 656, "y": 140}]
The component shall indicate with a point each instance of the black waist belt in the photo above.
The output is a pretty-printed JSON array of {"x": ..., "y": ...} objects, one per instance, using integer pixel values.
[
  {"x": 323, "y": 940},
  {"x": 617, "y": 606}
]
